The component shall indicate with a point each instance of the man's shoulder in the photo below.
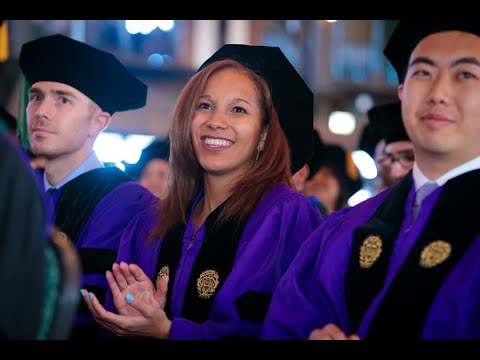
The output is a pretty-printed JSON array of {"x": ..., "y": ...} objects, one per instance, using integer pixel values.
[
  {"x": 361, "y": 210},
  {"x": 106, "y": 173},
  {"x": 109, "y": 184}
]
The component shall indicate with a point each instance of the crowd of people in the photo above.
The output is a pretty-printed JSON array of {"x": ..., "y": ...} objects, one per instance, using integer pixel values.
[{"x": 237, "y": 225}]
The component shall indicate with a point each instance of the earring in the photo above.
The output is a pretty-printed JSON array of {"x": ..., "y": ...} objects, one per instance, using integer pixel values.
[{"x": 256, "y": 157}]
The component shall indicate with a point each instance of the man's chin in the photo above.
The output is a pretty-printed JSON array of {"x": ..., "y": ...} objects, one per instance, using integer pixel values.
[{"x": 40, "y": 151}]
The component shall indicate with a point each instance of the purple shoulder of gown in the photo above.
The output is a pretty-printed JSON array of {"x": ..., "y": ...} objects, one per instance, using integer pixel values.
[
  {"x": 109, "y": 219},
  {"x": 312, "y": 292},
  {"x": 283, "y": 220}
]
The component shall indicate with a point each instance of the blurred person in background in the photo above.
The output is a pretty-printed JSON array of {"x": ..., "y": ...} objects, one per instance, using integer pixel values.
[
  {"x": 241, "y": 126},
  {"x": 301, "y": 175},
  {"x": 333, "y": 178},
  {"x": 28, "y": 301},
  {"x": 23, "y": 240},
  {"x": 151, "y": 170},
  {"x": 396, "y": 157},
  {"x": 73, "y": 91}
]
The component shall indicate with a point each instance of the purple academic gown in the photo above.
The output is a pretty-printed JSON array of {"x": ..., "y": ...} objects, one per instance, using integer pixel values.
[
  {"x": 271, "y": 237},
  {"x": 105, "y": 225},
  {"x": 312, "y": 292},
  {"x": 93, "y": 209}
]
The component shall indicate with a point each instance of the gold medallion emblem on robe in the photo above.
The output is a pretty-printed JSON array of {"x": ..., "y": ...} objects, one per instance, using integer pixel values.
[
  {"x": 370, "y": 251},
  {"x": 435, "y": 253},
  {"x": 207, "y": 283}
]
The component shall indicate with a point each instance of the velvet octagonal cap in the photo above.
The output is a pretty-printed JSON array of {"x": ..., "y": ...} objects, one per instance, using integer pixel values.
[
  {"x": 408, "y": 33},
  {"x": 96, "y": 73},
  {"x": 386, "y": 121}
]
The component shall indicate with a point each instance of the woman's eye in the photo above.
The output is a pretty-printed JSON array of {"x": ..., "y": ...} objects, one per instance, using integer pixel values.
[
  {"x": 204, "y": 106},
  {"x": 238, "y": 109}
]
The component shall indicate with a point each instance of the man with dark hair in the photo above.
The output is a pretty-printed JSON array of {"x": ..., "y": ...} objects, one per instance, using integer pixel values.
[
  {"x": 75, "y": 90},
  {"x": 404, "y": 264}
]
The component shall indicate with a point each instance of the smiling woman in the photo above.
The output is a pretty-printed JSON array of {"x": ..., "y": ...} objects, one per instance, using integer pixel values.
[
  {"x": 227, "y": 126},
  {"x": 241, "y": 125}
]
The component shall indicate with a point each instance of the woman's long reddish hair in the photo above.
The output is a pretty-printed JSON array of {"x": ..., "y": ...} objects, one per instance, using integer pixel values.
[{"x": 186, "y": 174}]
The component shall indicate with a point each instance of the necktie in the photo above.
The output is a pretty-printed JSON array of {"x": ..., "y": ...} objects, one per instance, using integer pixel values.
[
  {"x": 52, "y": 197},
  {"x": 425, "y": 190}
]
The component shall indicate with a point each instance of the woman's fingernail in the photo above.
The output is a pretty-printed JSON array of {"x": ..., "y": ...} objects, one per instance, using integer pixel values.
[
  {"x": 129, "y": 298},
  {"x": 82, "y": 293},
  {"x": 90, "y": 295}
]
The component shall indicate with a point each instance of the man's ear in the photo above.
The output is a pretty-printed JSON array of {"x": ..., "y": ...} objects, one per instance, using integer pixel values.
[
  {"x": 261, "y": 144},
  {"x": 399, "y": 91},
  {"x": 99, "y": 123}
]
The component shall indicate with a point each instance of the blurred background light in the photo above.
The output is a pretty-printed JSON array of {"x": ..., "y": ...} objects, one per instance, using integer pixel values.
[
  {"x": 115, "y": 147},
  {"x": 145, "y": 27},
  {"x": 359, "y": 196},
  {"x": 363, "y": 102},
  {"x": 341, "y": 122},
  {"x": 155, "y": 60},
  {"x": 365, "y": 164}
]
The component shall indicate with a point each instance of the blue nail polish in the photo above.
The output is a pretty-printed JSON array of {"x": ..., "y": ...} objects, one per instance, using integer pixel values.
[
  {"x": 129, "y": 298},
  {"x": 82, "y": 293},
  {"x": 90, "y": 295}
]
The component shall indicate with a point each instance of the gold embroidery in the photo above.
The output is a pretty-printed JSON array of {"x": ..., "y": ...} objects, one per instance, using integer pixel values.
[
  {"x": 207, "y": 282},
  {"x": 165, "y": 270},
  {"x": 370, "y": 251},
  {"x": 435, "y": 253}
]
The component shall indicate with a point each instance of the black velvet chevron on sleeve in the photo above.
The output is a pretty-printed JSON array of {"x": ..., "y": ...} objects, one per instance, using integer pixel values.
[{"x": 80, "y": 196}]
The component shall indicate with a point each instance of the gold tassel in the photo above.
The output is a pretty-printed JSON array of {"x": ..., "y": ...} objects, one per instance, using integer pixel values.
[{"x": 4, "y": 43}]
